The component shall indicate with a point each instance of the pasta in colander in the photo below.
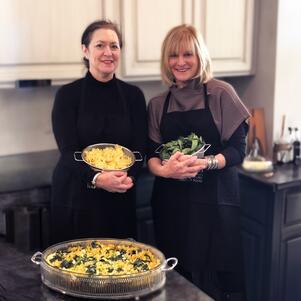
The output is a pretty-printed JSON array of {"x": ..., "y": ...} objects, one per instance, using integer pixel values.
[{"x": 108, "y": 157}]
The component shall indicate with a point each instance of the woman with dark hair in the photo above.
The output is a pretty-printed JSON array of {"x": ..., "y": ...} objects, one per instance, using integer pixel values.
[
  {"x": 197, "y": 218},
  {"x": 98, "y": 108}
]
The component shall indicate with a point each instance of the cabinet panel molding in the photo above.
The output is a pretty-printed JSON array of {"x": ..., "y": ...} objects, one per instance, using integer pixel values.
[
  {"x": 290, "y": 270},
  {"x": 253, "y": 237},
  {"x": 144, "y": 35},
  {"x": 45, "y": 32},
  {"x": 293, "y": 208},
  {"x": 227, "y": 27}
]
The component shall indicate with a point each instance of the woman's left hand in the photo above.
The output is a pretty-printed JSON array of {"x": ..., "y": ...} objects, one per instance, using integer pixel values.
[
  {"x": 200, "y": 163},
  {"x": 114, "y": 181}
]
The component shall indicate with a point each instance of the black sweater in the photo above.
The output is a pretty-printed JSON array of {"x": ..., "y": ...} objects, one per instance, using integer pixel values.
[{"x": 87, "y": 111}]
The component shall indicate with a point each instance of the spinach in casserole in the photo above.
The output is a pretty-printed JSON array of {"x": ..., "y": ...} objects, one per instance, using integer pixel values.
[{"x": 97, "y": 258}]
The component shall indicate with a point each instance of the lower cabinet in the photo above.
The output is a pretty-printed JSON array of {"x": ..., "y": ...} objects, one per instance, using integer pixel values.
[
  {"x": 24, "y": 218},
  {"x": 31, "y": 207},
  {"x": 271, "y": 230}
]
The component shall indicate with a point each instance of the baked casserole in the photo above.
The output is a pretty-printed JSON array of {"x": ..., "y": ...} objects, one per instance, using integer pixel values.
[{"x": 98, "y": 258}]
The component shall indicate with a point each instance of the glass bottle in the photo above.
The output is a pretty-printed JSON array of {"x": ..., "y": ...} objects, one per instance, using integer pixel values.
[
  {"x": 291, "y": 139},
  {"x": 296, "y": 147}
]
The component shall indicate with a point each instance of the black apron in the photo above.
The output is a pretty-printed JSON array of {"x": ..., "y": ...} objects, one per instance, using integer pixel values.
[{"x": 187, "y": 216}]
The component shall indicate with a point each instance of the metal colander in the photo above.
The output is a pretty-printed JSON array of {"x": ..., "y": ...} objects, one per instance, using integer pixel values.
[{"x": 131, "y": 154}]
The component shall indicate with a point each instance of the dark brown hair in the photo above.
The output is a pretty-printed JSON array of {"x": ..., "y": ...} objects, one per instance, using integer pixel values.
[{"x": 98, "y": 24}]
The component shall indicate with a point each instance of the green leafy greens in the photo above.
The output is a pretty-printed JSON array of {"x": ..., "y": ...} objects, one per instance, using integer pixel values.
[{"x": 186, "y": 145}]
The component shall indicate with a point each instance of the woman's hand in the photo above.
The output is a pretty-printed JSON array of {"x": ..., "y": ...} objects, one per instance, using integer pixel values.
[
  {"x": 180, "y": 166},
  {"x": 114, "y": 181}
]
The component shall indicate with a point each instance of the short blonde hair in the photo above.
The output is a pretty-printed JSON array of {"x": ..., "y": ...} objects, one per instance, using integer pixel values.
[{"x": 181, "y": 38}]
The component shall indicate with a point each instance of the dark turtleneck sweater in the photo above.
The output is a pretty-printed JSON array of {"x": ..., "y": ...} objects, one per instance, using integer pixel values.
[{"x": 88, "y": 111}]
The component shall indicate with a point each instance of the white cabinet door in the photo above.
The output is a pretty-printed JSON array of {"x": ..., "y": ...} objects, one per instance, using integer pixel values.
[
  {"x": 227, "y": 26},
  {"x": 41, "y": 39},
  {"x": 144, "y": 25}
]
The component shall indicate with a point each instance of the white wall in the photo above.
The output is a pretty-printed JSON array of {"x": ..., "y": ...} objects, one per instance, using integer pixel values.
[
  {"x": 288, "y": 65},
  {"x": 275, "y": 86},
  {"x": 278, "y": 66},
  {"x": 25, "y": 120},
  {"x": 25, "y": 117},
  {"x": 258, "y": 90}
]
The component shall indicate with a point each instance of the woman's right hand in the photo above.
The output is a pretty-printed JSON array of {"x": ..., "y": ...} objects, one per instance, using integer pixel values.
[{"x": 114, "y": 181}]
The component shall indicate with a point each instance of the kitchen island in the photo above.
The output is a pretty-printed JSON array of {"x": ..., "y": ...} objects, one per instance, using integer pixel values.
[{"x": 20, "y": 280}]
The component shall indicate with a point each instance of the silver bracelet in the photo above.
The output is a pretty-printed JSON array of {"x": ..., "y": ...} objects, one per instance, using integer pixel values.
[
  {"x": 212, "y": 162},
  {"x": 93, "y": 182}
]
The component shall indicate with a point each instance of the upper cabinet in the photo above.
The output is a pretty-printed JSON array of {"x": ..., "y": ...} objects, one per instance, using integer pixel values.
[
  {"x": 144, "y": 25},
  {"x": 41, "y": 39},
  {"x": 227, "y": 27}
]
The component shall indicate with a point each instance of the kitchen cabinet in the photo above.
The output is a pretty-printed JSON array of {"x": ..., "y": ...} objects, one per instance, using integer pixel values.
[
  {"x": 25, "y": 190},
  {"x": 26, "y": 218},
  {"x": 41, "y": 39},
  {"x": 144, "y": 34},
  {"x": 271, "y": 231},
  {"x": 227, "y": 27}
]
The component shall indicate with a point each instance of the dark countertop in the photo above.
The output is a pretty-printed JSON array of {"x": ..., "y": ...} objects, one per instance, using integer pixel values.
[
  {"x": 27, "y": 171},
  {"x": 33, "y": 170},
  {"x": 20, "y": 281},
  {"x": 282, "y": 176}
]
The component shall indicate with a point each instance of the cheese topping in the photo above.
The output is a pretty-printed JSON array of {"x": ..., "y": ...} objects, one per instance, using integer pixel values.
[{"x": 97, "y": 258}]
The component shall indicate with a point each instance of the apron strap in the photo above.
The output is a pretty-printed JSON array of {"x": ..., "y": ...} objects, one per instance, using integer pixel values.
[
  {"x": 206, "y": 96},
  {"x": 165, "y": 107},
  {"x": 166, "y": 104}
]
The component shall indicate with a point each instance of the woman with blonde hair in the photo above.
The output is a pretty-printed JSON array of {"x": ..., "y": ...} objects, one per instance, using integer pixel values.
[{"x": 195, "y": 200}]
